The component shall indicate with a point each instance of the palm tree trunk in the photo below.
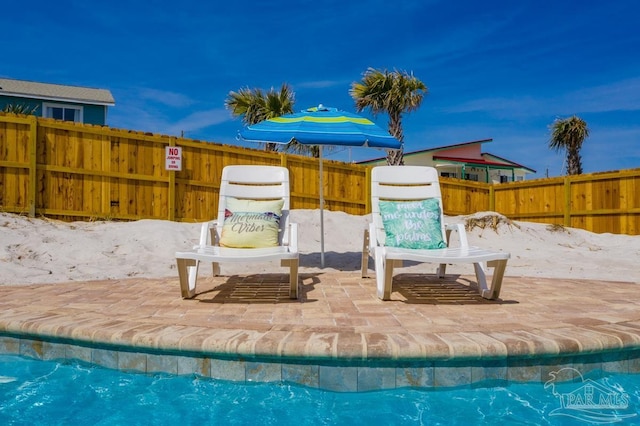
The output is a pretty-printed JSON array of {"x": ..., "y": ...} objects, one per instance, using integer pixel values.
[
  {"x": 396, "y": 157},
  {"x": 574, "y": 165}
]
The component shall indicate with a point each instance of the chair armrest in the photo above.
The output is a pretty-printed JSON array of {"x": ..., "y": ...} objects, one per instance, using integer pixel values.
[
  {"x": 292, "y": 239},
  {"x": 373, "y": 237},
  {"x": 460, "y": 230},
  {"x": 208, "y": 234}
]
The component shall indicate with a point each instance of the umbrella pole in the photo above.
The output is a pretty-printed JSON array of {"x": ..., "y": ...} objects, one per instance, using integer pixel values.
[{"x": 321, "y": 192}]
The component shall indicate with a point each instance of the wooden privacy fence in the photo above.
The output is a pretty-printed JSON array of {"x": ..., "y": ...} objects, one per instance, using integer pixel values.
[
  {"x": 73, "y": 171},
  {"x": 597, "y": 202}
]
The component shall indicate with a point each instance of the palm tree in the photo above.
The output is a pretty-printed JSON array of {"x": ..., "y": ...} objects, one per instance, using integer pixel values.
[
  {"x": 254, "y": 105},
  {"x": 569, "y": 134},
  {"x": 394, "y": 93}
]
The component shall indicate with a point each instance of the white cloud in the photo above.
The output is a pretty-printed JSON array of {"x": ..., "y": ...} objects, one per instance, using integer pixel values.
[
  {"x": 502, "y": 107},
  {"x": 161, "y": 122},
  {"x": 617, "y": 96},
  {"x": 172, "y": 99},
  {"x": 321, "y": 84},
  {"x": 200, "y": 120}
]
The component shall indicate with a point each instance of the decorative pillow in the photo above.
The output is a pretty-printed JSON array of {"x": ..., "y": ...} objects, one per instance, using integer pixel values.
[
  {"x": 412, "y": 224},
  {"x": 251, "y": 223}
]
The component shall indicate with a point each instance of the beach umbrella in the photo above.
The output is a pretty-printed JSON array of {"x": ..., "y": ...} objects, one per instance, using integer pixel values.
[{"x": 321, "y": 126}]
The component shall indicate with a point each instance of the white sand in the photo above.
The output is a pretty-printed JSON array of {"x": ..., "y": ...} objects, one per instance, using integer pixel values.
[{"x": 48, "y": 251}]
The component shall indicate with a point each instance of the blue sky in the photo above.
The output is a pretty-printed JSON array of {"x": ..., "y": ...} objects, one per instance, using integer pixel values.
[{"x": 503, "y": 70}]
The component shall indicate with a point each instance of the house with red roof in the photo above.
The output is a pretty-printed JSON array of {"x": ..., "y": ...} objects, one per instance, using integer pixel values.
[{"x": 464, "y": 161}]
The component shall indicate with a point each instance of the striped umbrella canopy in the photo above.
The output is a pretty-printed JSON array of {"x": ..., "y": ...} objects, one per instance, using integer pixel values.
[{"x": 321, "y": 126}]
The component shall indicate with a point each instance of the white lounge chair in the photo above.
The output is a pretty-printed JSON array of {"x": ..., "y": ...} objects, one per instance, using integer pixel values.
[
  {"x": 249, "y": 190},
  {"x": 404, "y": 193}
]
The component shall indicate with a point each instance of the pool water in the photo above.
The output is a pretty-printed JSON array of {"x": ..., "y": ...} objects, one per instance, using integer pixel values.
[{"x": 36, "y": 392}]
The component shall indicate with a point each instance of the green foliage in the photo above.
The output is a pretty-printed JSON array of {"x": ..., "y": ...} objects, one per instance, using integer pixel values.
[
  {"x": 254, "y": 105},
  {"x": 394, "y": 92},
  {"x": 20, "y": 109}
]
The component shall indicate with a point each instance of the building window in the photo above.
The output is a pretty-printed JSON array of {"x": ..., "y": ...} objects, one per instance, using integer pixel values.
[
  {"x": 472, "y": 176},
  {"x": 62, "y": 112},
  {"x": 449, "y": 174},
  {"x": 504, "y": 179}
]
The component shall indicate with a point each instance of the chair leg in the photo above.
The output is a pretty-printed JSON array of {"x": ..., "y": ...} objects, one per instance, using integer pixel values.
[
  {"x": 384, "y": 274},
  {"x": 492, "y": 292},
  {"x": 188, "y": 275},
  {"x": 379, "y": 266},
  {"x": 364, "y": 265},
  {"x": 388, "y": 276},
  {"x": 293, "y": 276},
  {"x": 442, "y": 270},
  {"x": 499, "y": 266}
]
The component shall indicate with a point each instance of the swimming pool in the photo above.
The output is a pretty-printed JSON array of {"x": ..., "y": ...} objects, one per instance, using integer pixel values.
[{"x": 48, "y": 392}]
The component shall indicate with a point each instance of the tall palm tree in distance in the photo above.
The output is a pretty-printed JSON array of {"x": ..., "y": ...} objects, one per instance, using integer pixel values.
[
  {"x": 254, "y": 105},
  {"x": 569, "y": 134},
  {"x": 393, "y": 92}
]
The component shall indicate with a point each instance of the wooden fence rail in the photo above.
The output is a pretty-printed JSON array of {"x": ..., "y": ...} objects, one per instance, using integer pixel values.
[{"x": 73, "y": 171}]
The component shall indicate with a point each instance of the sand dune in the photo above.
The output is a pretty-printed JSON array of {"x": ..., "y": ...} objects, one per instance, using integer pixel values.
[{"x": 38, "y": 250}]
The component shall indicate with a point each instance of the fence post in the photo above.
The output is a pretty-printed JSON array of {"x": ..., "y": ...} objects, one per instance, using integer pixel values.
[
  {"x": 283, "y": 159},
  {"x": 107, "y": 182},
  {"x": 492, "y": 198},
  {"x": 567, "y": 201},
  {"x": 33, "y": 138},
  {"x": 171, "y": 197},
  {"x": 367, "y": 190},
  {"x": 283, "y": 163}
]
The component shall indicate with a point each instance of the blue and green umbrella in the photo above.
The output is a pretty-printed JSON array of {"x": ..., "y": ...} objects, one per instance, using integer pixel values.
[{"x": 321, "y": 126}]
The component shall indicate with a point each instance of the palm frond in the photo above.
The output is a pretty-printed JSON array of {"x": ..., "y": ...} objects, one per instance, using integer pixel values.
[{"x": 20, "y": 109}]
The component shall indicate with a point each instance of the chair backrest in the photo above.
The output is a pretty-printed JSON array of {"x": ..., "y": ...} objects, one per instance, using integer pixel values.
[
  {"x": 256, "y": 183},
  {"x": 403, "y": 183}
]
